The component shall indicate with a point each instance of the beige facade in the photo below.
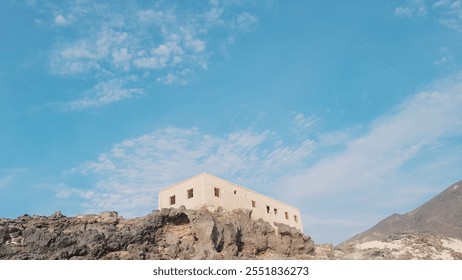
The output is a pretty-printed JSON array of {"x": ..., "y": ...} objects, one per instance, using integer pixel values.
[{"x": 207, "y": 190}]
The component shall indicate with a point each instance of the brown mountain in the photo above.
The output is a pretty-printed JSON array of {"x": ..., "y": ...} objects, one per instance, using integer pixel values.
[{"x": 442, "y": 216}]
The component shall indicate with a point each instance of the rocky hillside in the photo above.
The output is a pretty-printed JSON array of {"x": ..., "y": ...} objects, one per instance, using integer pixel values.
[
  {"x": 431, "y": 231},
  {"x": 166, "y": 234},
  {"x": 401, "y": 246},
  {"x": 442, "y": 216}
]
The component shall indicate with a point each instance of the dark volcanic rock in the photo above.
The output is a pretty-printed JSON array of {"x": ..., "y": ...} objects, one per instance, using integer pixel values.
[{"x": 165, "y": 234}]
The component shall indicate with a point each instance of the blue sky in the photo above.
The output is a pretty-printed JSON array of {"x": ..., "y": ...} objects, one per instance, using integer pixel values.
[{"x": 350, "y": 110}]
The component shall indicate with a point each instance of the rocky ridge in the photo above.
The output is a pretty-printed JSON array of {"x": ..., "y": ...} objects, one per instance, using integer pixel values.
[
  {"x": 402, "y": 246},
  {"x": 431, "y": 231},
  {"x": 441, "y": 215},
  {"x": 166, "y": 234}
]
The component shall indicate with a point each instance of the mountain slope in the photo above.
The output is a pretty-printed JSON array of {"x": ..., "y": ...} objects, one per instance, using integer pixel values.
[
  {"x": 431, "y": 231},
  {"x": 442, "y": 216}
]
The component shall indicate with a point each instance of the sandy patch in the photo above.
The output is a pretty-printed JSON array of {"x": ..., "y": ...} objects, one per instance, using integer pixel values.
[
  {"x": 454, "y": 244},
  {"x": 378, "y": 245}
]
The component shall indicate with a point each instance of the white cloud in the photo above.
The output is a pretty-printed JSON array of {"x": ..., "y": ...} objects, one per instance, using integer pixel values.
[
  {"x": 84, "y": 56},
  {"x": 5, "y": 181},
  {"x": 405, "y": 158},
  {"x": 450, "y": 13},
  {"x": 391, "y": 142},
  {"x": 302, "y": 122},
  {"x": 333, "y": 138},
  {"x": 196, "y": 45},
  {"x": 214, "y": 15},
  {"x": 394, "y": 164},
  {"x": 105, "y": 93},
  {"x": 404, "y": 11},
  {"x": 169, "y": 79},
  {"x": 60, "y": 20},
  {"x": 446, "y": 56},
  {"x": 160, "y": 56},
  {"x": 122, "y": 58},
  {"x": 160, "y": 40},
  {"x": 456, "y": 5},
  {"x": 246, "y": 22},
  {"x": 8, "y": 176},
  {"x": 176, "y": 77},
  {"x": 441, "y": 3},
  {"x": 156, "y": 17},
  {"x": 414, "y": 8},
  {"x": 130, "y": 175}
]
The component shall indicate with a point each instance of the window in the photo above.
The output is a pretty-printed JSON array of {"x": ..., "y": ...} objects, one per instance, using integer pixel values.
[
  {"x": 296, "y": 218},
  {"x": 275, "y": 211},
  {"x": 172, "y": 200},
  {"x": 254, "y": 204},
  {"x": 267, "y": 209},
  {"x": 217, "y": 192},
  {"x": 286, "y": 215},
  {"x": 190, "y": 193},
  {"x": 235, "y": 192}
]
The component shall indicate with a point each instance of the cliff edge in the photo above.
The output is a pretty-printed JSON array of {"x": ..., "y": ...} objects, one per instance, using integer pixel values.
[{"x": 166, "y": 234}]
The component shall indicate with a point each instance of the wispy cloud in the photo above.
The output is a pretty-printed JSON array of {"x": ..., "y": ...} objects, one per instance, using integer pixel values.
[
  {"x": 60, "y": 20},
  {"x": 9, "y": 175},
  {"x": 447, "y": 56},
  {"x": 302, "y": 123},
  {"x": 130, "y": 175},
  {"x": 447, "y": 12},
  {"x": 373, "y": 171},
  {"x": 246, "y": 22},
  {"x": 5, "y": 181},
  {"x": 414, "y": 8},
  {"x": 451, "y": 13},
  {"x": 333, "y": 138},
  {"x": 404, "y": 11},
  {"x": 397, "y": 164},
  {"x": 105, "y": 92},
  {"x": 108, "y": 41},
  {"x": 392, "y": 141}
]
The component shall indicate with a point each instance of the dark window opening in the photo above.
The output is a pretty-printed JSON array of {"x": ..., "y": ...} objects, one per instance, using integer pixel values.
[
  {"x": 172, "y": 200},
  {"x": 286, "y": 215},
  {"x": 190, "y": 193},
  {"x": 235, "y": 192},
  {"x": 296, "y": 218},
  {"x": 275, "y": 211},
  {"x": 254, "y": 204},
  {"x": 217, "y": 192},
  {"x": 267, "y": 209}
]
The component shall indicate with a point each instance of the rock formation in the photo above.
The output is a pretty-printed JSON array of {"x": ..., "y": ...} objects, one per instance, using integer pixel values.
[
  {"x": 402, "y": 246},
  {"x": 442, "y": 215},
  {"x": 165, "y": 234},
  {"x": 431, "y": 231}
]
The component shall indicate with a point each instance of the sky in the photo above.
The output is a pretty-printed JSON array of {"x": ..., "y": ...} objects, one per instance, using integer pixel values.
[{"x": 348, "y": 110}]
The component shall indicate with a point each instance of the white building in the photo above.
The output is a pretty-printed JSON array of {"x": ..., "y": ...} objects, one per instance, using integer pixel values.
[{"x": 207, "y": 190}]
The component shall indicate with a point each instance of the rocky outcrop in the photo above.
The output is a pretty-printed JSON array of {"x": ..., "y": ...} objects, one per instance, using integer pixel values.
[
  {"x": 442, "y": 216},
  {"x": 165, "y": 234},
  {"x": 402, "y": 246},
  {"x": 431, "y": 231}
]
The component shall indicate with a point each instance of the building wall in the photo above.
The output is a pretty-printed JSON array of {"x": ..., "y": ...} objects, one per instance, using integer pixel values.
[{"x": 229, "y": 196}]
